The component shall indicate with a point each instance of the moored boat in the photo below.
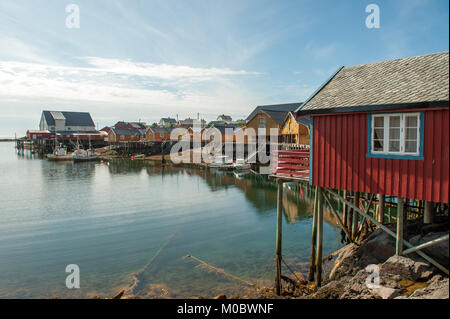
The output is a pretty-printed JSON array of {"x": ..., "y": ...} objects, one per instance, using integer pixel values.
[
  {"x": 60, "y": 154},
  {"x": 88, "y": 155}
]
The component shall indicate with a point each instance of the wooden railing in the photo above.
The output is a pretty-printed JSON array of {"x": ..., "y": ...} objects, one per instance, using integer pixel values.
[{"x": 292, "y": 163}]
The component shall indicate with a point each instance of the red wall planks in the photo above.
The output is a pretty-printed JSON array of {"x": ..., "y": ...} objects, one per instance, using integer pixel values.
[{"x": 339, "y": 155}]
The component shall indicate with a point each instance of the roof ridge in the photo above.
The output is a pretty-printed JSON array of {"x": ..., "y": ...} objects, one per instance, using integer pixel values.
[{"x": 397, "y": 59}]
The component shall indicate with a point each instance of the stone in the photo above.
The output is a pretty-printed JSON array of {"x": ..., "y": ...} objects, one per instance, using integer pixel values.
[
  {"x": 387, "y": 293},
  {"x": 405, "y": 267},
  {"x": 439, "y": 251},
  {"x": 378, "y": 247},
  {"x": 221, "y": 296},
  {"x": 437, "y": 289}
]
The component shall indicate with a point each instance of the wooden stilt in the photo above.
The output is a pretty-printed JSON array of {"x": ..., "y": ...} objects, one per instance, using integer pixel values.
[
  {"x": 381, "y": 205},
  {"x": 428, "y": 213},
  {"x": 279, "y": 237},
  {"x": 312, "y": 258},
  {"x": 400, "y": 216},
  {"x": 350, "y": 218},
  {"x": 355, "y": 216},
  {"x": 344, "y": 210},
  {"x": 319, "y": 238}
]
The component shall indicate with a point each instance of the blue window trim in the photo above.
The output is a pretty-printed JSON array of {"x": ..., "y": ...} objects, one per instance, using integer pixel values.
[
  {"x": 311, "y": 143},
  {"x": 419, "y": 157}
]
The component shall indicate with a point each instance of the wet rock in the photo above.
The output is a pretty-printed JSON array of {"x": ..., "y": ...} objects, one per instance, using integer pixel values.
[{"x": 437, "y": 289}]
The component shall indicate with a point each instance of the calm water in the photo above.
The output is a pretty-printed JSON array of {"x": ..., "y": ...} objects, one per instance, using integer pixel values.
[{"x": 113, "y": 220}]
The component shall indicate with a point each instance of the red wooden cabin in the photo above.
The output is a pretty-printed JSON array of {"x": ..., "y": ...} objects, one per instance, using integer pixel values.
[{"x": 383, "y": 128}]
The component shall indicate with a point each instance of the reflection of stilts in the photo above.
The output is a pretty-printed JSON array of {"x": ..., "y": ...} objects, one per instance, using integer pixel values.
[{"x": 216, "y": 270}]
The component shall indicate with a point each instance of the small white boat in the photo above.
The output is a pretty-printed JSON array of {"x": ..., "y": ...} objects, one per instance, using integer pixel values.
[
  {"x": 81, "y": 155},
  {"x": 60, "y": 154},
  {"x": 240, "y": 165}
]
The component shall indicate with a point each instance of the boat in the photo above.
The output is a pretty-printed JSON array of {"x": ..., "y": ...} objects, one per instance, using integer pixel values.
[
  {"x": 81, "y": 155},
  {"x": 220, "y": 161},
  {"x": 60, "y": 154},
  {"x": 241, "y": 165}
]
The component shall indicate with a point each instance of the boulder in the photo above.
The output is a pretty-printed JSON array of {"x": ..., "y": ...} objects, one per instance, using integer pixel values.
[
  {"x": 406, "y": 268},
  {"x": 439, "y": 251},
  {"x": 378, "y": 248}
]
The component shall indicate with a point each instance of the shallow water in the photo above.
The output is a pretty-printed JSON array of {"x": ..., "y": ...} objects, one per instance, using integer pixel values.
[{"x": 112, "y": 220}]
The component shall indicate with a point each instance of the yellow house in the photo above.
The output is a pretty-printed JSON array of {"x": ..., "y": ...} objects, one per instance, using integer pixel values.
[
  {"x": 295, "y": 131},
  {"x": 270, "y": 116}
]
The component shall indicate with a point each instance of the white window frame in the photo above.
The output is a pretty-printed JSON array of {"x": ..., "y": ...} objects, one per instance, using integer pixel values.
[{"x": 386, "y": 117}]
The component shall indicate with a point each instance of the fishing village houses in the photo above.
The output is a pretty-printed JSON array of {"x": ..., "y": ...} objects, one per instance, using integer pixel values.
[{"x": 372, "y": 143}]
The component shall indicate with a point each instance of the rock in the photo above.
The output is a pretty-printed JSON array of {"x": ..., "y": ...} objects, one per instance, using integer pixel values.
[
  {"x": 439, "y": 251},
  {"x": 387, "y": 293},
  {"x": 378, "y": 247},
  {"x": 437, "y": 289},
  {"x": 332, "y": 290},
  {"x": 221, "y": 296},
  {"x": 406, "y": 268}
]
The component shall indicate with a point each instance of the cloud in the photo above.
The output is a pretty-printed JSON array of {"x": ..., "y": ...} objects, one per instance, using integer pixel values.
[
  {"x": 161, "y": 71},
  {"x": 118, "y": 84}
]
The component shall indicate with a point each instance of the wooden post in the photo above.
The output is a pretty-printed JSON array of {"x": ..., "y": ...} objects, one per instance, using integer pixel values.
[
  {"x": 400, "y": 216},
  {"x": 344, "y": 210},
  {"x": 355, "y": 216},
  {"x": 279, "y": 237},
  {"x": 319, "y": 238},
  {"x": 312, "y": 258},
  {"x": 428, "y": 213},
  {"x": 381, "y": 206},
  {"x": 350, "y": 218}
]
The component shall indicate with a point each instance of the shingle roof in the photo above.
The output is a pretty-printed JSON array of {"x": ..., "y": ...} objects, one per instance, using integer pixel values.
[
  {"x": 72, "y": 118},
  {"x": 161, "y": 130},
  {"x": 118, "y": 131},
  {"x": 276, "y": 108},
  {"x": 415, "y": 79},
  {"x": 168, "y": 120},
  {"x": 222, "y": 128}
]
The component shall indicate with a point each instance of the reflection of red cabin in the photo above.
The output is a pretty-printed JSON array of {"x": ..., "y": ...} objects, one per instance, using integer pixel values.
[{"x": 383, "y": 128}]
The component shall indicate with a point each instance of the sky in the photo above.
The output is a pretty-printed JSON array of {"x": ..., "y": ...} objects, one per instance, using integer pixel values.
[{"x": 142, "y": 60}]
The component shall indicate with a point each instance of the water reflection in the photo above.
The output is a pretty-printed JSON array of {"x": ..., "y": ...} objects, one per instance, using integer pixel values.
[{"x": 259, "y": 190}]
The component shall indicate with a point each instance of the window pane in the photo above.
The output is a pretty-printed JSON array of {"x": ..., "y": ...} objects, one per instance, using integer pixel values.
[
  {"x": 411, "y": 134},
  {"x": 378, "y": 145},
  {"x": 411, "y": 146},
  {"x": 394, "y": 146},
  {"x": 378, "y": 122},
  {"x": 411, "y": 121},
  {"x": 394, "y": 121},
  {"x": 378, "y": 134},
  {"x": 394, "y": 133}
]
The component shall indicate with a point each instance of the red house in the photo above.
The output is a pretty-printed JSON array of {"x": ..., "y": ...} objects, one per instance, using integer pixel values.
[{"x": 383, "y": 128}]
